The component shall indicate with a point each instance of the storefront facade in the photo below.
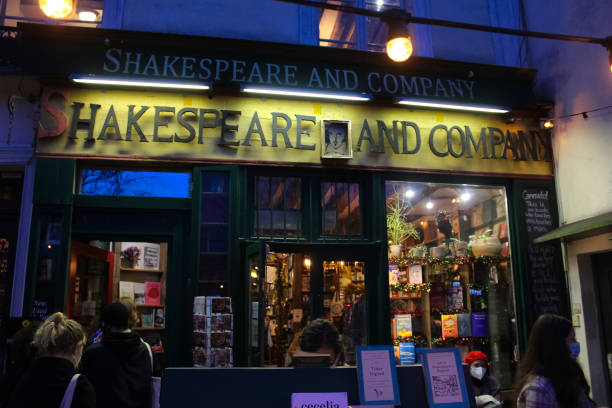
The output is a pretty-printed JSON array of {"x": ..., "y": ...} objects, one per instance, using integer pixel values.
[{"x": 270, "y": 187}]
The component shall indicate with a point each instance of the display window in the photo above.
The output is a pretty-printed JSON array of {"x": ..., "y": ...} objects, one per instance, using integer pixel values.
[{"x": 450, "y": 277}]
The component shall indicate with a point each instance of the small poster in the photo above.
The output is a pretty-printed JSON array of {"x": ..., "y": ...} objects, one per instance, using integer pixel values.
[
  {"x": 449, "y": 326},
  {"x": 403, "y": 324},
  {"x": 444, "y": 378},
  {"x": 377, "y": 375},
  {"x": 415, "y": 274},
  {"x": 393, "y": 274}
]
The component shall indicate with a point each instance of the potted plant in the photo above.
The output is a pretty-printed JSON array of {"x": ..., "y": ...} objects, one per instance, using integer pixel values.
[
  {"x": 398, "y": 228},
  {"x": 485, "y": 244},
  {"x": 129, "y": 257}
]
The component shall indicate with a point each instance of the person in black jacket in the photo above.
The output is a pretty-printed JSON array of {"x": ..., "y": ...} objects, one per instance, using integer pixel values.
[
  {"x": 119, "y": 366},
  {"x": 59, "y": 342}
]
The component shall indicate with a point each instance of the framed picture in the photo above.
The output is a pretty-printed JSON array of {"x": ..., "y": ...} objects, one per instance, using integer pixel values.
[{"x": 336, "y": 139}]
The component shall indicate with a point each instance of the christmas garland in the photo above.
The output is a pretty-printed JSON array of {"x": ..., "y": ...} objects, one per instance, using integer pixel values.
[
  {"x": 419, "y": 341},
  {"x": 456, "y": 260},
  {"x": 410, "y": 287},
  {"x": 439, "y": 341}
]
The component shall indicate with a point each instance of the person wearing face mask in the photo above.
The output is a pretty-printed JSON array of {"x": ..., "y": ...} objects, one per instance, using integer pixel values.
[
  {"x": 487, "y": 389},
  {"x": 59, "y": 342},
  {"x": 548, "y": 376}
]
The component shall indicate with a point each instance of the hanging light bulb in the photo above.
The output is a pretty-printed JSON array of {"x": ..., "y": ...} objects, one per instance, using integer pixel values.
[
  {"x": 399, "y": 46},
  {"x": 56, "y": 8}
]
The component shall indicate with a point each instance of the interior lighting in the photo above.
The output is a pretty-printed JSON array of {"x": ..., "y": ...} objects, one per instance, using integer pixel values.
[
  {"x": 56, "y": 8},
  {"x": 137, "y": 82},
  {"x": 307, "y": 262},
  {"x": 49, "y": 246},
  {"x": 220, "y": 286},
  {"x": 341, "y": 263},
  {"x": 548, "y": 124},
  {"x": 409, "y": 193},
  {"x": 338, "y": 96},
  {"x": 466, "y": 196},
  {"x": 399, "y": 46},
  {"x": 254, "y": 274},
  {"x": 452, "y": 106},
  {"x": 88, "y": 15},
  {"x": 429, "y": 205}
]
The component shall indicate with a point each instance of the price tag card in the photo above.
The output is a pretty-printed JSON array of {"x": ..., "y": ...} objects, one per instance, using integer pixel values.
[
  {"x": 377, "y": 376},
  {"x": 319, "y": 399},
  {"x": 444, "y": 378}
]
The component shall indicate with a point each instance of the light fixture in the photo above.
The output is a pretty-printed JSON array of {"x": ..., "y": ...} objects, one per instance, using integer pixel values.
[
  {"x": 339, "y": 96},
  {"x": 466, "y": 196},
  {"x": 254, "y": 274},
  {"x": 137, "y": 82},
  {"x": 548, "y": 124},
  {"x": 220, "y": 286},
  {"x": 307, "y": 262},
  {"x": 429, "y": 205},
  {"x": 56, "y": 8},
  {"x": 88, "y": 15},
  {"x": 399, "y": 46},
  {"x": 409, "y": 193},
  {"x": 452, "y": 106}
]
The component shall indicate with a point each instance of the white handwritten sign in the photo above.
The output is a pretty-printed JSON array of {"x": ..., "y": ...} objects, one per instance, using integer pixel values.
[
  {"x": 377, "y": 375},
  {"x": 319, "y": 400}
]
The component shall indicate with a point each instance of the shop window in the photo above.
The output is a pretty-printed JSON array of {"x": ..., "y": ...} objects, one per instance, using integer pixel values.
[
  {"x": 450, "y": 277},
  {"x": 341, "y": 209},
  {"x": 278, "y": 204},
  {"x": 214, "y": 234},
  {"x": 125, "y": 183},
  {"x": 346, "y": 30},
  {"x": 84, "y": 13}
]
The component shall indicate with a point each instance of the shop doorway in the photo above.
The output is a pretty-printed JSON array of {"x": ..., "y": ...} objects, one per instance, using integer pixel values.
[
  {"x": 290, "y": 286},
  {"x": 602, "y": 271},
  {"x": 133, "y": 273}
]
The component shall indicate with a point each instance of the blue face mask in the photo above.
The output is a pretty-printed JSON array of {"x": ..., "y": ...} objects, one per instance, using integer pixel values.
[{"x": 574, "y": 348}]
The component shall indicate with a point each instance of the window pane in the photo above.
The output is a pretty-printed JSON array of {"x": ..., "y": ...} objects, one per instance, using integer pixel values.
[
  {"x": 340, "y": 209},
  {"x": 278, "y": 203},
  {"x": 337, "y": 29},
  {"x": 377, "y": 30},
  {"x": 124, "y": 183},
  {"x": 450, "y": 276}
]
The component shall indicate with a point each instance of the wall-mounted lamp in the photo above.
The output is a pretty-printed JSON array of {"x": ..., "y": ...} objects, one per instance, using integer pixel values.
[
  {"x": 137, "y": 82},
  {"x": 288, "y": 92},
  {"x": 56, "y": 8}
]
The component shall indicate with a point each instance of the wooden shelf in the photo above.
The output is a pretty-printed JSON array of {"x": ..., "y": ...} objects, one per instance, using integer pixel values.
[
  {"x": 148, "y": 328},
  {"x": 141, "y": 270},
  {"x": 150, "y": 305}
]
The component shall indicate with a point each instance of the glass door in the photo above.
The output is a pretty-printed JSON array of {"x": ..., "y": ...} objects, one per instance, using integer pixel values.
[{"x": 255, "y": 267}]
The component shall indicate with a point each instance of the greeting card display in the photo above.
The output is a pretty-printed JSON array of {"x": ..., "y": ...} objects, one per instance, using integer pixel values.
[{"x": 212, "y": 331}]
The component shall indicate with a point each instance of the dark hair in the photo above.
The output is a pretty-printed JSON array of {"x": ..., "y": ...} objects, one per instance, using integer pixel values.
[
  {"x": 115, "y": 316},
  {"x": 335, "y": 125},
  {"x": 548, "y": 356},
  {"x": 320, "y": 333}
]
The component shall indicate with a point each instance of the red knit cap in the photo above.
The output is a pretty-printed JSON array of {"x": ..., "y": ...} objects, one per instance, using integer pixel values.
[{"x": 475, "y": 355}]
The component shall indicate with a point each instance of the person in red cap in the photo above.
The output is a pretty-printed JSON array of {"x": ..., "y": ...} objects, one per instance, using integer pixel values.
[{"x": 483, "y": 383}]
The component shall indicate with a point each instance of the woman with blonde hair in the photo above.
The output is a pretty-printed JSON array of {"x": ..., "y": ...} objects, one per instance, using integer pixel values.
[{"x": 52, "y": 381}]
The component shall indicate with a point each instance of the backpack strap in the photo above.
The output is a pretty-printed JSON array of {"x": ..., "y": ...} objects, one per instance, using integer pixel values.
[
  {"x": 67, "y": 400},
  {"x": 150, "y": 352}
]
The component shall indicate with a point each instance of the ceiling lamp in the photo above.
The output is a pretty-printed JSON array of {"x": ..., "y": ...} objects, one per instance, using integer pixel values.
[
  {"x": 399, "y": 46},
  {"x": 56, "y": 8},
  {"x": 88, "y": 15}
]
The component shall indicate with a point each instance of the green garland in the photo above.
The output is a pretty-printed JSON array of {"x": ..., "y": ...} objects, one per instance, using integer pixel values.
[
  {"x": 419, "y": 341},
  {"x": 440, "y": 342},
  {"x": 457, "y": 260},
  {"x": 410, "y": 287}
]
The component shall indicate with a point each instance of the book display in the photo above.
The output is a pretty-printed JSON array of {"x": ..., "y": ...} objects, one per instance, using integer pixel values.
[
  {"x": 140, "y": 275},
  {"x": 450, "y": 279},
  {"x": 213, "y": 331}
]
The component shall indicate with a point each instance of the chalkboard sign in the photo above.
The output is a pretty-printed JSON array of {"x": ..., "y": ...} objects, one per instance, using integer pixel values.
[{"x": 543, "y": 261}]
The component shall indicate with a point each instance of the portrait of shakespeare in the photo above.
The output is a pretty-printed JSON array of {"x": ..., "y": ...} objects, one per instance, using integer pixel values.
[{"x": 337, "y": 139}]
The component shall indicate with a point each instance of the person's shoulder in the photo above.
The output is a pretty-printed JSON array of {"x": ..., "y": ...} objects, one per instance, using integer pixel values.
[
  {"x": 85, "y": 393},
  {"x": 537, "y": 392}
]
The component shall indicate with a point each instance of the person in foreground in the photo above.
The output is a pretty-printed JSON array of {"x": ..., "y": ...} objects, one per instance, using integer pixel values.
[
  {"x": 321, "y": 337},
  {"x": 59, "y": 342},
  {"x": 120, "y": 366},
  {"x": 548, "y": 376},
  {"x": 487, "y": 389}
]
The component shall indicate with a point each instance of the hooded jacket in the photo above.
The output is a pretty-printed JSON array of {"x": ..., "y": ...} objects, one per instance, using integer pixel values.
[{"x": 120, "y": 370}]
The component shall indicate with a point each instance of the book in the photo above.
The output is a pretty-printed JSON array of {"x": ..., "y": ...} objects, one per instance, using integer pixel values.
[
  {"x": 139, "y": 293},
  {"x": 126, "y": 290},
  {"x": 403, "y": 324},
  {"x": 393, "y": 274},
  {"x": 454, "y": 296},
  {"x": 480, "y": 325},
  {"x": 147, "y": 318},
  {"x": 407, "y": 353},
  {"x": 159, "y": 318},
  {"x": 437, "y": 296},
  {"x": 449, "y": 326},
  {"x": 152, "y": 293},
  {"x": 464, "y": 323},
  {"x": 415, "y": 274}
]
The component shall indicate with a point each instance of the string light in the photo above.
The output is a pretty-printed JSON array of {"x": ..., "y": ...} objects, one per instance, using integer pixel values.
[{"x": 550, "y": 122}]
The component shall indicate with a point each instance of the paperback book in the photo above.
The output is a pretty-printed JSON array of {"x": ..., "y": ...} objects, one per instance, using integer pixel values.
[
  {"x": 152, "y": 293},
  {"x": 449, "y": 326}
]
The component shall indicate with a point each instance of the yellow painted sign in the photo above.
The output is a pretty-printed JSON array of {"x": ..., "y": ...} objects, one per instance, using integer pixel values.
[{"x": 123, "y": 124}]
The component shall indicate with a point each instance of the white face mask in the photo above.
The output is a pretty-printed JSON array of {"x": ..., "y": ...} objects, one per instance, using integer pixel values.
[{"x": 478, "y": 372}]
